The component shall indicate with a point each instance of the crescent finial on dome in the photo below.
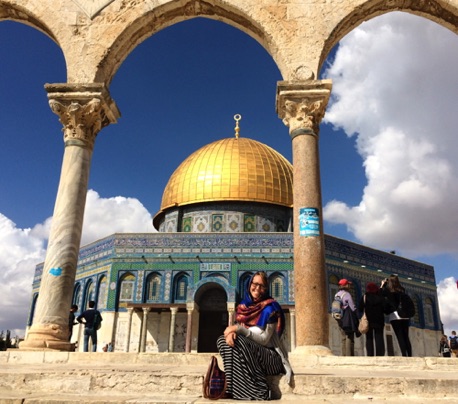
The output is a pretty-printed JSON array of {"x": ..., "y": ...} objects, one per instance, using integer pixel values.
[{"x": 237, "y": 118}]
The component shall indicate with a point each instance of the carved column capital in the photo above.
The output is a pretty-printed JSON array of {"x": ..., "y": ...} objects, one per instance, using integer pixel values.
[
  {"x": 83, "y": 110},
  {"x": 301, "y": 105}
]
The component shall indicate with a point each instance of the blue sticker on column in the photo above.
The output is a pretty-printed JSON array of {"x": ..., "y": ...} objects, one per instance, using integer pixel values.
[
  {"x": 309, "y": 222},
  {"x": 56, "y": 271}
]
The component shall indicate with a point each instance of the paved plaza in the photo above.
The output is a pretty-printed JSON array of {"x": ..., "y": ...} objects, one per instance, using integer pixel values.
[{"x": 61, "y": 377}]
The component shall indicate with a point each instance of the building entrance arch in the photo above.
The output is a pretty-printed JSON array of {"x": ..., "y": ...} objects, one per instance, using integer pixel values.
[{"x": 213, "y": 318}]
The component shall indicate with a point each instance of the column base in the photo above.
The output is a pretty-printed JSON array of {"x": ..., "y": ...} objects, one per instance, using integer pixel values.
[
  {"x": 47, "y": 337},
  {"x": 311, "y": 350}
]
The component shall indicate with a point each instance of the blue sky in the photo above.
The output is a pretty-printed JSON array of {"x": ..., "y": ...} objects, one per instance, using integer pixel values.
[{"x": 387, "y": 145}]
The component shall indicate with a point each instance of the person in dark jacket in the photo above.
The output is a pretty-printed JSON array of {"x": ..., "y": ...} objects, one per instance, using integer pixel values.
[
  {"x": 90, "y": 329},
  {"x": 71, "y": 320},
  {"x": 392, "y": 289},
  {"x": 375, "y": 306}
]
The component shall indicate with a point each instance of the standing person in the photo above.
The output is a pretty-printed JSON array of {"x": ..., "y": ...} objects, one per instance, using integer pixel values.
[
  {"x": 454, "y": 343},
  {"x": 71, "y": 320},
  {"x": 252, "y": 349},
  {"x": 444, "y": 348},
  {"x": 392, "y": 289},
  {"x": 90, "y": 325},
  {"x": 375, "y": 306},
  {"x": 348, "y": 325}
]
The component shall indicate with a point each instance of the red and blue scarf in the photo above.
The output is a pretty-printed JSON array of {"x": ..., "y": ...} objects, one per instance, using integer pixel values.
[{"x": 266, "y": 311}]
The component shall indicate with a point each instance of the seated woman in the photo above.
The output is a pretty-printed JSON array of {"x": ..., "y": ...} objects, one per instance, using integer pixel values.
[{"x": 252, "y": 349}]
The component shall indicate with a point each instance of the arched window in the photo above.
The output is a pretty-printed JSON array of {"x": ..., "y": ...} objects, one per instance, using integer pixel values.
[
  {"x": 32, "y": 312},
  {"x": 429, "y": 312},
  {"x": 88, "y": 295},
  {"x": 153, "y": 288},
  {"x": 103, "y": 291},
  {"x": 333, "y": 287},
  {"x": 277, "y": 287},
  {"x": 126, "y": 290},
  {"x": 181, "y": 288},
  {"x": 77, "y": 295},
  {"x": 417, "y": 303}
]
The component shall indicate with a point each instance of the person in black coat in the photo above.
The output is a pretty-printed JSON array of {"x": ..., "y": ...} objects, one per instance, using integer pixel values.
[
  {"x": 392, "y": 290},
  {"x": 375, "y": 306}
]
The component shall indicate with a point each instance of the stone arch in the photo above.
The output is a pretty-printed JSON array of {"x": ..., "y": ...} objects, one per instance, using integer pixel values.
[
  {"x": 201, "y": 286},
  {"x": 297, "y": 45},
  {"x": 28, "y": 17},
  {"x": 145, "y": 24},
  {"x": 439, "y": 11},
  {"x": 213, "y": 315}
]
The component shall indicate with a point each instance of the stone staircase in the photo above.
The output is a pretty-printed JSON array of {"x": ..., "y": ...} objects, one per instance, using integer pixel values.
[{"x": 161, "y": 378}]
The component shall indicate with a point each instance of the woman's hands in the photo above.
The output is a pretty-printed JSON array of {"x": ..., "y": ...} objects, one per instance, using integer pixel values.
[{"x": 230, "y": 333}]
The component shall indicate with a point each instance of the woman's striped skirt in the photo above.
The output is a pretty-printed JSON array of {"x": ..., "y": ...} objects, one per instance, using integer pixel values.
[{"x": 247, "y": 366}]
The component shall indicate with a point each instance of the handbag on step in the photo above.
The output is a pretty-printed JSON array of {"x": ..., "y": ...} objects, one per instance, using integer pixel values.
[
  {"x": 363, "y": 326},
  {"x": 215, "y": 384}
]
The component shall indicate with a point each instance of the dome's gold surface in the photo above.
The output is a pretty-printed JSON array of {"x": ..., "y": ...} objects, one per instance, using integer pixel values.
[{"x": 233, "y": 169}]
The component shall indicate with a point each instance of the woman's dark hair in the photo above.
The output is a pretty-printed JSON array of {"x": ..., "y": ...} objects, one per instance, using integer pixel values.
[
  {"x": 394, "y": 285},
  {"x": 371, "y": 287}
]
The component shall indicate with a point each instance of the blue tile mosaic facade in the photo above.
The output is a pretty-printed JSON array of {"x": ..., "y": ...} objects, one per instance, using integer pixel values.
[{"x": 229, "y": 257}]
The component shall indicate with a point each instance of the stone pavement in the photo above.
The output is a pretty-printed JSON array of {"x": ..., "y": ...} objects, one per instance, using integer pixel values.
[{"x": 161, "y": 378}]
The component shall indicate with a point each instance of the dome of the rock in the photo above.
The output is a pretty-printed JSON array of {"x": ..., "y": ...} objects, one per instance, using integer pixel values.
[{"x": 230, "y": 170}]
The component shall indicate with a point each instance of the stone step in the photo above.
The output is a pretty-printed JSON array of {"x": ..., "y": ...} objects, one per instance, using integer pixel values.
[{"x": 59, "y": 377}]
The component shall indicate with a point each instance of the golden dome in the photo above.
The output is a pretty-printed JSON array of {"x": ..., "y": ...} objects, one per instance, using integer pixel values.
[{"x": 233, "y": 169}]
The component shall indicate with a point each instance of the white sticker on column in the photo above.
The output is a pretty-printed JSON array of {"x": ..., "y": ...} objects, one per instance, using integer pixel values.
[{"x": 309, "y": 222}]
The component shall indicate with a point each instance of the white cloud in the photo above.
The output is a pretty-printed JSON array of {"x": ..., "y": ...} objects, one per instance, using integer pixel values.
[
  {"x": 105, "y": 216},
  {"x": 448, "y": 297},
  {"x": 395, "y": 88},
  {"x": 22, "y": 249}
]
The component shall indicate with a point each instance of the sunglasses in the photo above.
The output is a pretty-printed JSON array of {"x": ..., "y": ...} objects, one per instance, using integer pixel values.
[{"x": 258, "y": 285}]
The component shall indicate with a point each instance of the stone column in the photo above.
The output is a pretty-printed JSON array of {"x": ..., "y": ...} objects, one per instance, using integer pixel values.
[
  {"x": 301, "y": 106},
  {"x": 230, "y": 312},
  {"x": 144, "y": 329},
  {"x": 292, "y": 325},
  {"x": 130, "y": 312},
  {"x": 173, "y": 315},
  {"x": 83, "y": 111},
  {"x": 190, "y": 310}
]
